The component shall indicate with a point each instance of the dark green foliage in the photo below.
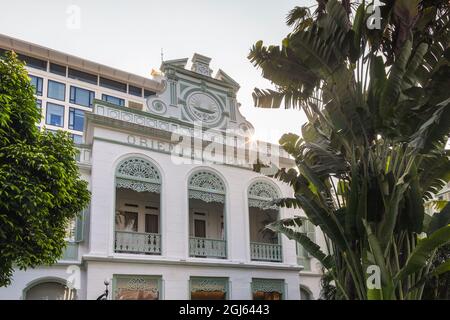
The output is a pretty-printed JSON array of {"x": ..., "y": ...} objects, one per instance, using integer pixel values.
[
  {"x": 372, "y": 152},
  {"x": 438, "y": 287},
  {"x": 40, "y": 187}
]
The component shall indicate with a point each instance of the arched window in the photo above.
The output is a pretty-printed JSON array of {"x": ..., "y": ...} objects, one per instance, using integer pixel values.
[
  {"x": 305, "y": 293},
  {"x": 206, "y": 215},
  {"x": 50, "y": 290},
  {"x": 139, "y": 175},
  {"x": 265, "y": 245},
  {"x": 138, "y": 188},
  {"x": 260, "y": 194}
]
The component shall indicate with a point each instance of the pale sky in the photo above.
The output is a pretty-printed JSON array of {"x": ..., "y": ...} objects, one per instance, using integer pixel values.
[{"x": 129, "y": 35}]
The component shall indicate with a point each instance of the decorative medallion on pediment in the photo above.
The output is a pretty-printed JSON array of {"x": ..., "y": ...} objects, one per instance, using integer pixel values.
[
  {"x": 203, "y": 107},
  {"x": 157, "y": 106}
]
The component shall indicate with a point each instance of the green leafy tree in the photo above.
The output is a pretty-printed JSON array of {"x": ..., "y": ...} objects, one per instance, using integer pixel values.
[
  {"x": 40, "y": 188},
  {"x": 373, "y": 149}
]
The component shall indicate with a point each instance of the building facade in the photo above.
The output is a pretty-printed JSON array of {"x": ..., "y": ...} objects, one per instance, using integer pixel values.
[{"x": 177, "y": 211}]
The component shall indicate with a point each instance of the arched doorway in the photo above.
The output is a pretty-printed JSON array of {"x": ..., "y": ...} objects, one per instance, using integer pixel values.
[{"x": 49, "y": 290}]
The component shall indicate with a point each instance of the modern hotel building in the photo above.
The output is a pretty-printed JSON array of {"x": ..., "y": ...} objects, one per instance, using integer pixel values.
[{"x": 177, "y": 211}]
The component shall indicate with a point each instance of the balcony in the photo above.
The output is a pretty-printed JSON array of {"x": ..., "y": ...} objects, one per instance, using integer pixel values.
[
  {"x": 83, "y": 157},
  {"x": 137, "y": 242},
  {"x": 207, "y": 237},
  {"x": 265, "y": 252},
  {"x": 207, "y": 248}
]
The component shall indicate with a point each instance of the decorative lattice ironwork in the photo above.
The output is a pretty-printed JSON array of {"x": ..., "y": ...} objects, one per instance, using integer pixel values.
[
  {"x": 138, "y": 175},
  {"x": 206, "y": 186},
  {"x": 142, "y": 284},
  {"x": 138, "y": 186},
  {"x": 136, "y": 288},
  {"x": 138, "y": 168},
  {"x": 208, "y": 284},
  {"x": 268, "y": 285},
  {"x": 261, "y": 194},
  {"x": 207, "y": 181},
  {"x": 206, "y": 196}
]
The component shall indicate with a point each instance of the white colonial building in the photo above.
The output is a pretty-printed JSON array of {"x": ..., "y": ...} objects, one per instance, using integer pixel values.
[{"x": 177, "y": 211}]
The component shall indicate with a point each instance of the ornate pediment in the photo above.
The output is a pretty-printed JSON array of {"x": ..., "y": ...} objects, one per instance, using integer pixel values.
[{"x": 193, "y": 96}]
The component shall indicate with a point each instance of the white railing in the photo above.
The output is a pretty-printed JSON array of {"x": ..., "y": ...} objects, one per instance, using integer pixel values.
[
  {"x": 84, "y": 155},
  {"x": 207, "y": 248},
  {"x": 137, "y": 242},
  {"x": 265, "y": 252}
]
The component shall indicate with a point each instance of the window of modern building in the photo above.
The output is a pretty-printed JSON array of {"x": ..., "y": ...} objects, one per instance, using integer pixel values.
[
  {"x": 135, "y": 91},
  {"x": 268, "y": 289},
  {"x": 58, "y": 69},
  {"x": 112, "y": 84},
  {"x": 206, "y": 288},
  {"x": 207, "y": 236},
  {"x": 77, "y": 139},
  {"x": 148, "y": 93},
  {"x": 33, "y": 62},
  {"x": 113, "y": 100},
  {"x": 136, "y": 287},
  {"x": 138, "y": 188},
  {"x": 56, "y": 90},
  {"x": 82, "y": 97},
  {"x": 51, "y": 131},
  {"x": 83, "y": 76},
  {"x": 39, "y": 104},
  {"x": 303, "y": 257},
  {"x": 55, "y": 114},
  {"x": 265, "y": 245},
  {"x": 76, "y": 119},
  {"x": 37, "y": 83}
]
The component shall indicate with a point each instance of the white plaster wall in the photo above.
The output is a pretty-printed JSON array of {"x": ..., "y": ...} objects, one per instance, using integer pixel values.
[
  {"x": 176, "y": 278},
  {"x": 311, "y": 281},
  {"x": 174, "y": 200}
]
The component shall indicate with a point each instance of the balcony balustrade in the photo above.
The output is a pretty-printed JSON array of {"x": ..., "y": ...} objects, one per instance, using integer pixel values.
[
  {"x": 265, "y": 252},
  {"x": 207, "y": 248},
  {"x": 138, "y": 242},
  {"x": 83, "y": 156}
]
